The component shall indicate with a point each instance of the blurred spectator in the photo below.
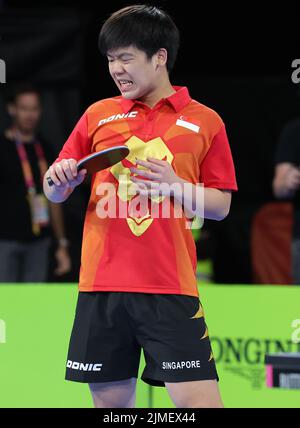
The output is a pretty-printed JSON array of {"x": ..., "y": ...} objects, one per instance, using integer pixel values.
[
  {"x": 26, "y": 215},
  {"x": 286, "y": 183}
]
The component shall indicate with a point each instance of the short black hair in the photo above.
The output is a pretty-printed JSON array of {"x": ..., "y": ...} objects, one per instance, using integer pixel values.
[
  {"x": 20, "y": 89},
  {"x": 145, "y": 27}
]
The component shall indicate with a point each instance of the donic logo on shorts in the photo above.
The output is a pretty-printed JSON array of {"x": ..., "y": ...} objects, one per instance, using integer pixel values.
[
  {"x": 85, "y": 367},
  {"x": 174, "y": 365},
  {"x": 132, "y": 114}
]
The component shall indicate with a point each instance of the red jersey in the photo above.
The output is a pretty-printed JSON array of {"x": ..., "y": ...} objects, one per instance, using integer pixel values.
[{"x": 147, "y": 253}]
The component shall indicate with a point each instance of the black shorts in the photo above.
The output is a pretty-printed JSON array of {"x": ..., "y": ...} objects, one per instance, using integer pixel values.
[{"x": 111, "y": 328}]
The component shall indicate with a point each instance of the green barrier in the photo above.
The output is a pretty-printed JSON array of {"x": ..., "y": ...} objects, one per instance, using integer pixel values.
[
  {"x": 36, "y": 326},
  {"x": 245, "y": 322}
]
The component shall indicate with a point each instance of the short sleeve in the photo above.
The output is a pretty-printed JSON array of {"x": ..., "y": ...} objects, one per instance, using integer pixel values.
[
  {"x": 217, "y": 168},
  {"x": 78, "y": 145}
]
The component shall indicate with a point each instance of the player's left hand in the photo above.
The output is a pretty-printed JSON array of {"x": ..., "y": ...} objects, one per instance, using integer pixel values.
[{"x": 149, "y": 182}]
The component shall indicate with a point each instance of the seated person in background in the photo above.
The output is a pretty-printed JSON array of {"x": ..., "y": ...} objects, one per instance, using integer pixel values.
[
  {"x": 26, "y": 215},
  {"x": 286, "y": 183}
]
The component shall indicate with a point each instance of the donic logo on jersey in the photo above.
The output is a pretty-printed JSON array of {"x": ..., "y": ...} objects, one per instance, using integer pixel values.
[{"x": 119, "y": 116}]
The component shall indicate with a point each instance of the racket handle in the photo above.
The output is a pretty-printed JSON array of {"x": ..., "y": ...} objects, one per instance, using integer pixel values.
[{"x": 50, "y": 181}]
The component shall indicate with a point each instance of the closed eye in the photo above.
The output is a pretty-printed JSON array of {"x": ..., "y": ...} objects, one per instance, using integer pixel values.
[{"x": 123, "y": 58}]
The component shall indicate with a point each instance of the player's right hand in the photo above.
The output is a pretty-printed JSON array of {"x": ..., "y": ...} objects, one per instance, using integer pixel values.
[{"x": 64, "y": 174}]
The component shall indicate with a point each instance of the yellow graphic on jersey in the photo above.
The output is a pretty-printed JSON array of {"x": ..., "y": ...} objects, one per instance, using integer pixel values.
[{"x": 139, "y": 217}]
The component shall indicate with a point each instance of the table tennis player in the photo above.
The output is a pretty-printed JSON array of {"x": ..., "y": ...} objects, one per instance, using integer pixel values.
[{"x": 137, "y": 286}]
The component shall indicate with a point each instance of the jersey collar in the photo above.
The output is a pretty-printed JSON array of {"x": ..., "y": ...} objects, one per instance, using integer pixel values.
[{"x": 177, "y": 101}]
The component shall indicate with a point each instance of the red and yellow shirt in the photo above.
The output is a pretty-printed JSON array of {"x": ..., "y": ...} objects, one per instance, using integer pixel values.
[{"x": 144, "y": 253}]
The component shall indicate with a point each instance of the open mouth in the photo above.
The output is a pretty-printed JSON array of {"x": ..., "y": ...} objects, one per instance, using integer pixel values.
[{"x": 125, "y": 84}]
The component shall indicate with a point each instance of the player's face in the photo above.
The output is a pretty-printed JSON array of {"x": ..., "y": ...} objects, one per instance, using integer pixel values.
[
  {"x": 26, "y": 111},
  {"x": 134, "y": 74}
]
